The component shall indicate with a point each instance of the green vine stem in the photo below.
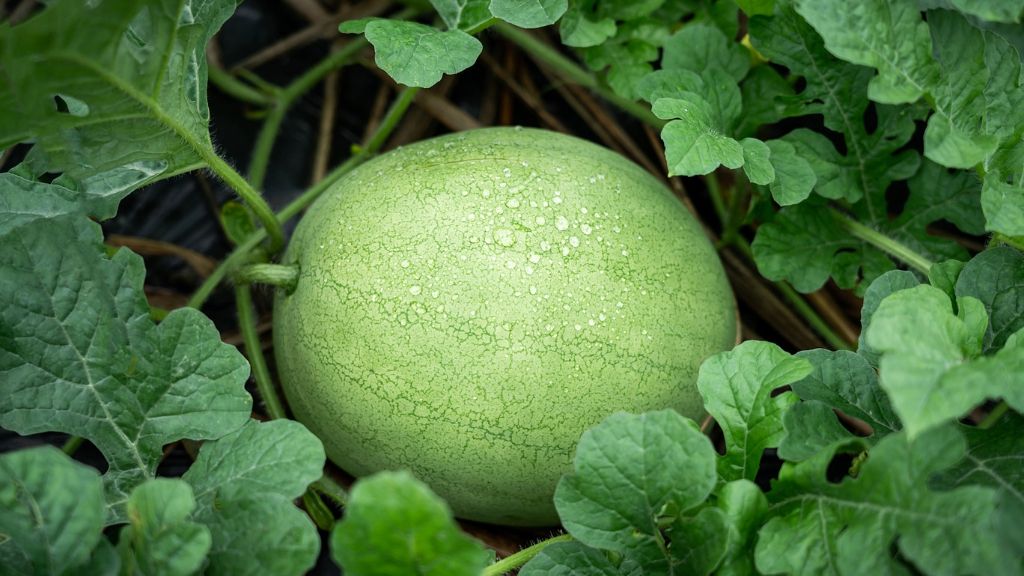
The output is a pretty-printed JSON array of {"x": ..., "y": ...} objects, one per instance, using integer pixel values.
[
  {"x": 71, "y": 445},
  {"x": 234, "y": 87},
  {"x": 572, "y": 72},
  {"x": 330, "y": 488},
  {"x": 286, "y": 98},
  {"x": 254, "y": 350},
  {"x": 883, "y": 243},
  {"x": 242, "y": 252},
  {"x": 510, "y": 563},
  {"x": 992, "y": 417},
  {"x": 281, "y": 275}
]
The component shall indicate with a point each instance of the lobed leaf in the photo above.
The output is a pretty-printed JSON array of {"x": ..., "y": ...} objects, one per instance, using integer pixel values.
[
  {"x": 160, "y": 539},
  {"x": 738, "y": 387},
  {"x": 123, "y": 96},
  {"x": 996, "y": 278},
  {"x": 394, "y": 525},
  {"x": 851, "y": 527},
  {"x": 629, "y": 471},
  {"x": 415, "y": 54},
  {"x": 51, "y": 512},
  {"x": 529, "y": 13}
]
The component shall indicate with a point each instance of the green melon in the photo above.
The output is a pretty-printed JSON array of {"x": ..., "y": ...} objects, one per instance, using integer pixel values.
[{"x": 467, "y": 306}]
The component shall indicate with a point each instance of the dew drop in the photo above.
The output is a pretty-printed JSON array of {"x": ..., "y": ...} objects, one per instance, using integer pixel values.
[
  {"x": 405, "y": 263},
  {"x": 574, "y": 241},
  {"x": 415, "y": 290},
  {"x": 512, "y": 203},
  {"x": 541, "y": 220},
  {"x": 586, "y": 229},
  {"x": 534, "y": 258},
  {"x": 561, "y": 223},
  {"x": 510, "y": 264},
  {"x": 504, "y": 237}
]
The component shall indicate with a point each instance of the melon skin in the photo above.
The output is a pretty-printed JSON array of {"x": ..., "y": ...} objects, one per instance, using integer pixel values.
[{"x": 469, "y": 305}]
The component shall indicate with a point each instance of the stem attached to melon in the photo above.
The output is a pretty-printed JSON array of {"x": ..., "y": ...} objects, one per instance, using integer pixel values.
[
  {"x": 280, "y": 275},
  {"x": 510, "y": 563},
  {"x": 242, "y": 252}
]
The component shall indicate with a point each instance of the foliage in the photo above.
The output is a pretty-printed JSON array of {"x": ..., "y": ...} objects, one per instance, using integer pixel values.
[{"x": 882, "y": 471}]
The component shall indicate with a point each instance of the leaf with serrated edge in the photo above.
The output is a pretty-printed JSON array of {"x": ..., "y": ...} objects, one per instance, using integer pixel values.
[
  {"x": 930, "y": 366},
  {"x": 132, "y": 74},
  {"x": 744, "y": 506},
  {"x": 160, "y": 539},
  {"x": 820, "y": 527},
  {"x": 569, "y": 559},
  {"x": 414, "y": 54},
  {"x": 244, "y": 485},
  {"x": 51, "y": 512},
  {"x": 529, "y": 13},
  {"x": 395, "y": 526},
  {"x": 82, "y": 356},
  {"x": 737, "y": 388},
  {"x": 845, "y": 381},
  {"x": 629, "y": 470},
  {"x": 885, "y": 34},
  {"x": 996, "y": 278}
]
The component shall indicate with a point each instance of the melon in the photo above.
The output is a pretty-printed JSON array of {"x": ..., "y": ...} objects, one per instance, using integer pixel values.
[{"x": 469, "y": 305}]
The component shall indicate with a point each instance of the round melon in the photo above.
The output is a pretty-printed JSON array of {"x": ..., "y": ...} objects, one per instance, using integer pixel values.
[{"x": 469, "y": 305}]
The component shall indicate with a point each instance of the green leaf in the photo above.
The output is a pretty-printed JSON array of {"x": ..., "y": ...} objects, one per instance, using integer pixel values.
[
  {"x": 821, "y": 527},
  {"x": 943, "y": 275},
  {"x": 886, "y": 284},
  {"x": 415, "y": 54},
  {"x": 992, "y": 10},
  {"x": 244, "y": 485},
  {"x": 461, "y": 14},
  {"x": 699, "y": 543},
  {"x": 237, "y": 221},
  {"x": 529, "y": 13},
  {"x": 160, "y": 539},
  {"x": 579, "y": 30},
  {"x": 628, "y": 62},
  {"x": 756, "y": 161},
  {"x": 1003, "y": 204},
  {"x": 805, "y": 244},
  {"x": 745, "y": 507},
  {"x": 766, "y": 99},
  {"x": 394, "y": 525},
  {"x": 755, "y": 7},
  {"x": 131, "y": 75},
  {"x": 630, "y": 470},
  {"x": 794, "y": 177},
  {"x": 737, "y": 388},
  {"x": 570, "y": 559},
  {"x": 810, "y": 427},
  {"x": 699, "y": 47},
  {"x": 845, "y": 381},
  {"x": 81, "y": 356},
  {"x": 995, "y": 458},
  {"x": 257, "y": 535},
  {"x": 51, "y": 512},
  {"x": 930, "y": 366},
  {"x": 694, "y": 144},
  {"x": 888, "y": 35},
  {"x": 996, "y": 278}
]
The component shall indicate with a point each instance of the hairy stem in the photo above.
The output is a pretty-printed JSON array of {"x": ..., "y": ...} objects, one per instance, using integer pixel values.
[
  {"x": 516, "y": 560},
  {"x": 286, "y": 98},
  {"x": 884, "y": 243},
  {"x": 242, "y": 252},
  {"x": 254, "y": 350},
  {"x": 330, "y": 488},
  {"x": 572, "y": 72},
  {"x": 235, "y": 88}
]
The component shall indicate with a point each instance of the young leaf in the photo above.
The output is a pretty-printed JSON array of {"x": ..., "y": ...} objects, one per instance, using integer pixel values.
[
  {"x": 124, "y": 93},
  {"x": 699, "y": 543},
  {"x": 850, "y": 527},
  {"x": 992, "y": 10},
  {"x": 629, "y": 470},
  {"x": 794, "y": 177},
  {"x": 996, "y": 278},
  {"x": 756, "y": 161},
  {"x": 577, "y": 29},
  {"x": 929, "y": 364},
  {"x": 160, "y": 539},
  {"x": 415, "y": 54},
  {"x": 461, "y": 14},
  {"x": 1003, "y": 204},
  {"x": 885, "y": 34},
  {"x": 628, "y": 62},
  {"x": 886, "y": 284},
  {"x": 737, "y": 388},
  {"x": 694, "y": 143},
  {"x": 80, "y": 354},
  {"x": 995, "y": 458},
  {"x": 244, "y": 485},
  {"x": 811, "y": 427},
  {"x": 529, "y": 13},
  {"x": 698, "y": 47},
  {"x": 744, "y": 506},
  {"x": 394, "y": 525},
  {"x": 51, "y": 512}
]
